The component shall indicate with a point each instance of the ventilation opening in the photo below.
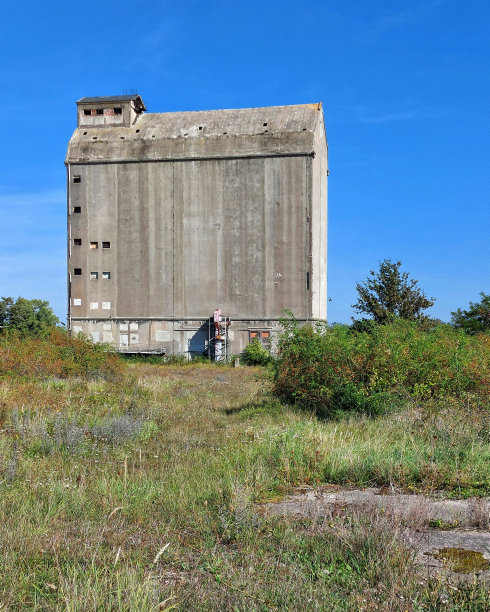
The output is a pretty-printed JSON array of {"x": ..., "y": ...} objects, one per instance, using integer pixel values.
[
  {"x": 85, "y": 133},
  {"x": 94, "y": 275},
  {"x": 94, "y": 245},
  {"x": 106, "y": 275},
  {"x": 77, "y": 271},
  {"x": 265, "y": 124},
  {"x": 77, "y": 179},
  {"x": 94, "y": 137},
  {"x": 118, "y": 111},
  {"x": 137, "y": 131},
  {"x": 106, "y": 245},
  {"x": 77, "y": 210},
  {"x": 87, "y": 112},
  {"x": 100, "y": 111},
  {"x": 77, "y": 241},
  {"x": 200, "y": 127}
]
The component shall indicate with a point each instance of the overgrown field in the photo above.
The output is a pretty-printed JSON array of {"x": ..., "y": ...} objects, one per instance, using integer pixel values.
[{"x": 135, "y": 487}]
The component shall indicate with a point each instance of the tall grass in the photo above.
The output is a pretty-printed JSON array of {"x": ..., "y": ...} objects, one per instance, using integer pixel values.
[{"x": 139, "y": 493}]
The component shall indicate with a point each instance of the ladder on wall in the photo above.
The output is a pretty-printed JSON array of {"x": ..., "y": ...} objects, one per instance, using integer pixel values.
[{"x": 218, "y": 341}]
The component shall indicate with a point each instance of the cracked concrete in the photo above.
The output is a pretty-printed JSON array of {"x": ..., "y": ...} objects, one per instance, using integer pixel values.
[{"x": 432, "y": 523}]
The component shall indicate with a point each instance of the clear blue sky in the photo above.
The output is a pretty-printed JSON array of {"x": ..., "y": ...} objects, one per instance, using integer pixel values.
[{"x": 405, "y": 88}]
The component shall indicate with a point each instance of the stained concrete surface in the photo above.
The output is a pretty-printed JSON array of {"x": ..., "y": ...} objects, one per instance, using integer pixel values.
[{"x": 463, "y": 524}]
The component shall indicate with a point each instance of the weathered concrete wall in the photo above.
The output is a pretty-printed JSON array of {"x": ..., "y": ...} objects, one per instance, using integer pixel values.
[{"x": 194, "y": 224}]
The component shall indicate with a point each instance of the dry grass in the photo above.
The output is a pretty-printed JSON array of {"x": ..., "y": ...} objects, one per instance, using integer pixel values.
[{"x": 183, "y": 453}]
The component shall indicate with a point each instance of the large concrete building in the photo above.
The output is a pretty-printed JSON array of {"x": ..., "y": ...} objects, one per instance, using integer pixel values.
[{"x": 174, "y": 215}]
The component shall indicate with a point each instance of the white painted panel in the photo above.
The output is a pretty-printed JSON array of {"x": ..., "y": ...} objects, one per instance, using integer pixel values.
[
  {"x": 107, "y": 326},
  {"x": 123, "y": 327},
  {"x": 106, "y": 305},
  {"x": 133, "y": 327},
  {"x": 107, "y": 336},
  {"x": 162, "y": 335},
  {"x": 95, "y": 336},
  {"x": 123, "y": 340},
  {"x": 94, "y": 305},
  {"x": 135, "y": 338},
  {"x": 77, "y": 301}
]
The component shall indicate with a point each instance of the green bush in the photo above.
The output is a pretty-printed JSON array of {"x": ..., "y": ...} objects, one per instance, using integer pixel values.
[
  {"x": 255, "y": 354},
  {"x": 56, "y": 354},
  {"x": 337, "y": 369}
]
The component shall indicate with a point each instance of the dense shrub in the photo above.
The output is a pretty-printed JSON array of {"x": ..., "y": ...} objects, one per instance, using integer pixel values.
[
  {"x": 331, "y": 369},
  {"x": 255, "y": 354},
  {"x": 56, "y": 355}
]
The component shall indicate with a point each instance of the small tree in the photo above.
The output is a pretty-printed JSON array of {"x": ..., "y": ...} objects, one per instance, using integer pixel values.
[
  {"x": 30, "y": 317},
  {"x": 476, "y": 318},
  {"x": 390, "y": 293}
]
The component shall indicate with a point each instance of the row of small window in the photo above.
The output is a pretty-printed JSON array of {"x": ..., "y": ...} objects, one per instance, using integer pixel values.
[
  {"x": 93, "y": 305},
  {"x": 100, "y": 111},
  {"x": 93, "y": 275},
  {"x": 93, "y": 245}
]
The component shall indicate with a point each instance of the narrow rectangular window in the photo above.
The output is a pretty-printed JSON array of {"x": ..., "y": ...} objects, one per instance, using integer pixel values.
[
  {"x": 117, "y": 111},
  {"x": 106, "y": 275},
  {"x": 307, "y": 281},
  {"x": 94, "y": 305},
  {"x": 106, "y": 245},
  {"x": 94, "y": 275},
  {"x": 94, "y": 245},
  {"x": 87, "y": 111},
  {"x": 77, "y": 179},
  {"x": 77, "y": 241},
  {"x": 77, "y": 210},
  {"x": 77, "y": 301},
  {"x": 100, "y": 111},
  {"x": 77, "y": 271}
]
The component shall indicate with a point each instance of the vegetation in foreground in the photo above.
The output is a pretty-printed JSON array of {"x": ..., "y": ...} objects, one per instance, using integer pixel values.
[{"x": 137, "y": 491}]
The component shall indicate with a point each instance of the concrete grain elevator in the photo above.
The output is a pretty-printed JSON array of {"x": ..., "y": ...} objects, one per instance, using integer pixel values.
[{"x": 184, "y": 223}]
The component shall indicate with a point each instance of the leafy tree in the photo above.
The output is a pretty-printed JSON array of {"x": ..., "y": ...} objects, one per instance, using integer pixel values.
[
  {"x": 390, "y": 293},
  {"x": 476, "y": 318},
  {"x": 29, "y": 317}
]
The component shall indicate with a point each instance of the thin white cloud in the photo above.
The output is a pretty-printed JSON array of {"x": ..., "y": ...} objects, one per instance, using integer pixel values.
[
  {"x": 15, "y": 201},
  {"x": 386, "y": 117},
  {"x": 393, "y": 20}
]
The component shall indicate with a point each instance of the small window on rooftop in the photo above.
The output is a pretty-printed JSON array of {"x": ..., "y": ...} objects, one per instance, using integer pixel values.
[
  {"x": 94, "y": 275},
  {"x": 106, "y": 245},
  {"x": 87, "y": 112},
  {"x": 94, "y": 245},
  {"x": 106, "y": 275},
  {"x": 118, "y": 111},
  {"x": 77, "y": 210},
  {"x": 77, "y": 271},
  {"x": 77, "y": 179},
  {"x": 100, "y": 111},
  {"x": 77, "y": 241}
]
